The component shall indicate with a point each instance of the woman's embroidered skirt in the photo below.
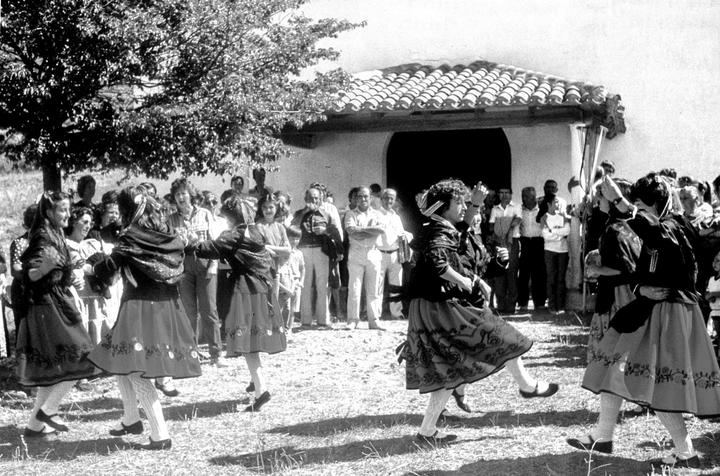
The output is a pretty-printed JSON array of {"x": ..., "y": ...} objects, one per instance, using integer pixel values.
[
  {"x": 667, "y": 364},
  {"x": 600, "y": 322},
  {"x": 150, "y": 337},
  {"x": 449, "y": 344},
  {"x": 51, "y": 348},
  {"x": 253, "y": 325}
]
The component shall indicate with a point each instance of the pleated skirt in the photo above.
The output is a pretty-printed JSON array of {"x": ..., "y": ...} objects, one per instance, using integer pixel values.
[
  {"x": 667, "y": 364},
  {"x": 153, "y": 338},
  {"x": 254, "y": 324},
  {"x": 449, "y": 344}
]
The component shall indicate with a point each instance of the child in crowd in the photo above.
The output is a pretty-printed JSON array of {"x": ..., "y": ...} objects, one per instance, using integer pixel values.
[
  {"x": 556, "y": 228},
  {"x": 291, "y": 276},
  {"x": 712, "y": 294}
]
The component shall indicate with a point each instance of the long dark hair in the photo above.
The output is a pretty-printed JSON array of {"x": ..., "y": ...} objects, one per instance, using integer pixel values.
[
  {"x": 47, "y": 202},
  {"x": 137, "y": 207}
]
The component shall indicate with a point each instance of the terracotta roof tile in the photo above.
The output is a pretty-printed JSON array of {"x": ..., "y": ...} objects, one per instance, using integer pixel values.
[{"x": 477, "y": 85}]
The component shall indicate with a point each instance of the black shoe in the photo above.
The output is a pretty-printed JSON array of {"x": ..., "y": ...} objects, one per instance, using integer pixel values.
[
  {"x": 259, "y": 402},
  {"x": 460, "y": 402},
  {"x": 250, "y": 387},
  {"x": 38, "y": 433},
  {"x": 47, "y": 419},
  {"x": 83, "y": 385},
  {"x": 592, "y": 445},
  {"x": 551, "y": 390},
  {"x": 166, "y": 391},
  {"x": 676, "y": 462},
  {"x": 435, "y": 440},
  {"x": 135, "y": 429},
  {"x": 155, "y": 445}
]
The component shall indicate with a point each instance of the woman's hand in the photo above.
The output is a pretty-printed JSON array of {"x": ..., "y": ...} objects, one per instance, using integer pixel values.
[
  {"x": 465, "y": 283},
  {"x": 592, "y": 271},
  {"x": 502, "y": 254},
  {"x": 654, "y": 292},
  {"x": 478, "y": 194},
  {"x": 78, "y": 280},
  {"x": 609, "y": 189}
]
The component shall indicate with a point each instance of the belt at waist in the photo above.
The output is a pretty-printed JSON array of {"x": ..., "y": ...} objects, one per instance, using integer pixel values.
[
  {"x": 309, "y": 246},
  {"x": 388, "y": 251}
]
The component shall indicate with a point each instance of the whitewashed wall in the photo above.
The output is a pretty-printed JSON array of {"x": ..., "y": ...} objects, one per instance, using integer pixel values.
[{"x": 662, "y": 56}]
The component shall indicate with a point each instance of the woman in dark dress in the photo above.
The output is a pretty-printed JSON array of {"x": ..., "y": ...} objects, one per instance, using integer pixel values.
[
  {"x": 152, "y": 337},
  {"x": 453, "y": 336},
  {"x": 657, "y": 351},
  {"x": 52, "y": 343},
  {"x": 613, "y": 264},
  {"x": 254, "y": 323}
]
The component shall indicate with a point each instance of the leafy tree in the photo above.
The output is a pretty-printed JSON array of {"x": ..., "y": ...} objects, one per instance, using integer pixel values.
[{"x": 158, "y": 86}]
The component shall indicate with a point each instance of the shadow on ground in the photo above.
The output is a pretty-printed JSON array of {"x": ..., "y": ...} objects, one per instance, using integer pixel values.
[
  {"x": 479, "y": 420},
  {"x": 285, "y": 458},
  {"x": 187, "y": 411},
  {"x": 566, "y": 464},
  {"x": 53, "y": 448}
]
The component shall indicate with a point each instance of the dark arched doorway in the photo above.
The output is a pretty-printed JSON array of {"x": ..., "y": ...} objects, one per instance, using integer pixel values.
[{"x": 416, "y": 160}]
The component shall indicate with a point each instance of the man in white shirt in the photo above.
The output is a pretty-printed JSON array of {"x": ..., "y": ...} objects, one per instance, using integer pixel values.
[
  {"x": 505, "y": 219},
  {"x": 532, "y": 254},
  {"x": 389, "y": 245},
  {"x": 364, "y": 227}
]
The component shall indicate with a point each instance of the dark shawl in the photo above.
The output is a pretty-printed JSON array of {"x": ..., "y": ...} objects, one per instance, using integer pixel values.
[
  {"x": 55, "y": 284},
  {"x": 247, "y": 256},
  {"x": 158, "y": 255},
  {"x": 666, "y": 260}
]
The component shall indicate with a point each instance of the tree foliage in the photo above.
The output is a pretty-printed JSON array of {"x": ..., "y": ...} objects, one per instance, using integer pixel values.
[{"x": 158, "y": 86}]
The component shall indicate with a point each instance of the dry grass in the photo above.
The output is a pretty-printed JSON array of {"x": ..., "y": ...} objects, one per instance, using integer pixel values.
[{"x": 339, "y": 407}]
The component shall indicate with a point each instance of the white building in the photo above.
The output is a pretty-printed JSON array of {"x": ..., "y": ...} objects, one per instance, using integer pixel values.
[{"x": 662, "y": 58}]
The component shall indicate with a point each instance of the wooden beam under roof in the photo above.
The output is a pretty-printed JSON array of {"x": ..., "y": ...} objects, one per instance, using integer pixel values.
[{"x": 445, "y": 120}]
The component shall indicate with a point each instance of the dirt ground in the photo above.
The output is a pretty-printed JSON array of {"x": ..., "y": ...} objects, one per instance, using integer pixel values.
[{"x": 339, "y": 407}]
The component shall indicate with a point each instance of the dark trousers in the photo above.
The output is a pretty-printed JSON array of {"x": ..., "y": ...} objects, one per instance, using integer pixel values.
[
  {"x": 505, "y": 285},
  {"x": 556, "y": 267},
  {"x": 531, "y": 276},
  {"x": 198, "y": 292},
  {"x": 225, "y": 285}
]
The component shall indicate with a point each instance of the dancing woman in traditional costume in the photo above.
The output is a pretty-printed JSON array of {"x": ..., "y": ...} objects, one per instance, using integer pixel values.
[
  {"x": 254, "y": 323},
  {"x": 152, "y": 337},
  {"x": 613, "y": 265},
  {"x": 656, "y": 352},
  {"x": 453, "y": 336},
  {"x": 52, "y": 345}
]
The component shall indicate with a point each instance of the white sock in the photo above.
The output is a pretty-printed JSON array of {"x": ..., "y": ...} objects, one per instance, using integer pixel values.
[
  {"x": 40, "y": 398},
  {"x": 438, "y": 400},
  {"x": 522, "y": 377},
  {"x": 609, "y": 409},
  {"x": 675, "y": 424},
  {"x": 148, "y": 397},
  {"x": 57, "y": 393},
  {"x": 129, "y": 399},
  {"x": 256, "y": 372}
]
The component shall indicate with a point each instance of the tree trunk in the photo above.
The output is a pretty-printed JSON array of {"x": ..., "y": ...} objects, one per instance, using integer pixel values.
[{"x": 52, "y": 176}]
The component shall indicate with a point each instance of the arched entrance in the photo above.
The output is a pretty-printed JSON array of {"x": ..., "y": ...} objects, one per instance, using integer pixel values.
[{"x": 416, "y": 160}]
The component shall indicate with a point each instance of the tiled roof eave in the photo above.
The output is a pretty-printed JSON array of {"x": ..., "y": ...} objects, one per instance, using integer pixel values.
[{"x": 460, "y": 110}]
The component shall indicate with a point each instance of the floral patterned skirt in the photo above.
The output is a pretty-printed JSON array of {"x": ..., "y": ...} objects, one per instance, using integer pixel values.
[
  {"x": 253, "y": 325},
  {"x": 667, "y": 364},
  {"x": 50, "y": 347},
  {"x": 449, "y": 344},
  {"x": 150, "y": 337},
  {"x": 600, "y": 322}
]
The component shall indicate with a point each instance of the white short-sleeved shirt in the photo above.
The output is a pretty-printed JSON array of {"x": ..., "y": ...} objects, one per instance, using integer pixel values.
[
  {"x": 501, "y": 217},
  {"x": 356, "y": 218}
]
